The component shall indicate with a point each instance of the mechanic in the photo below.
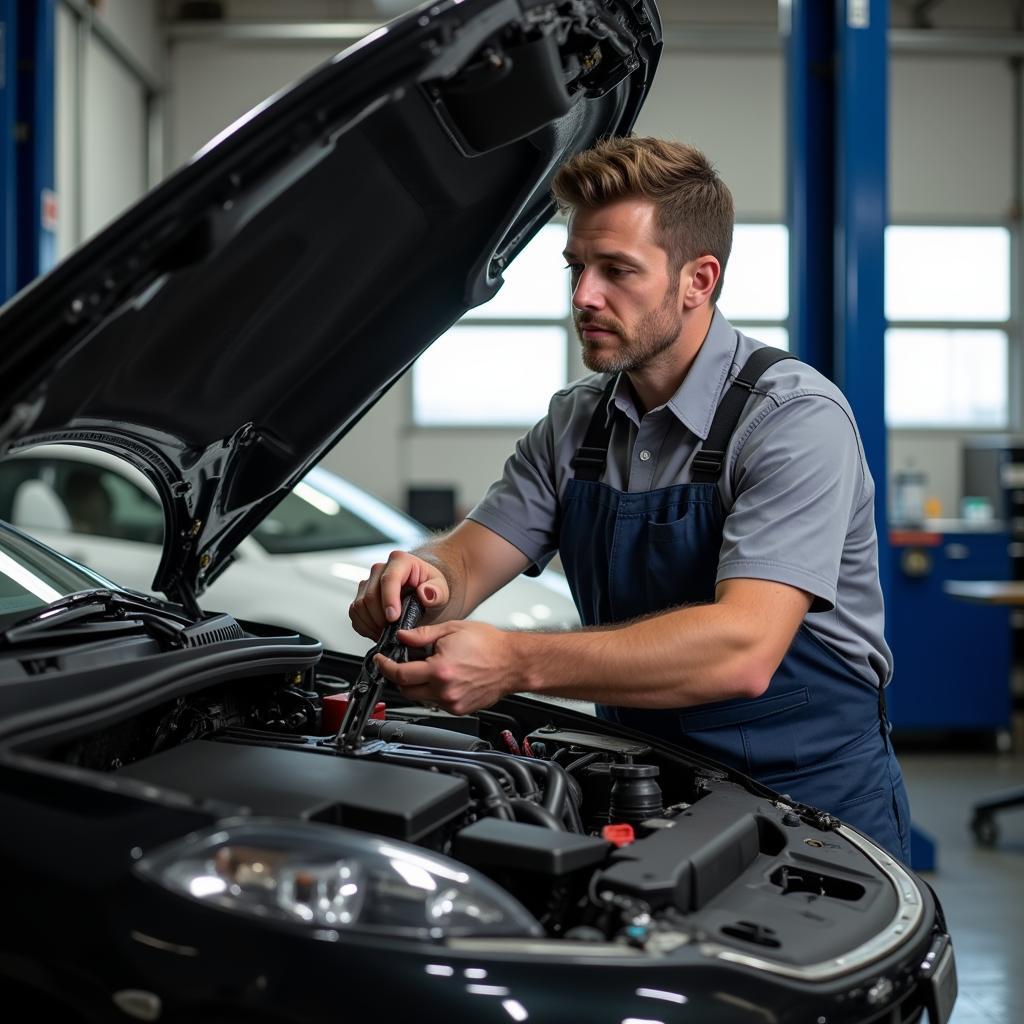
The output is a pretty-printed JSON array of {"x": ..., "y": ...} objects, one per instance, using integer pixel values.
[{"x": 713, "y": 510}]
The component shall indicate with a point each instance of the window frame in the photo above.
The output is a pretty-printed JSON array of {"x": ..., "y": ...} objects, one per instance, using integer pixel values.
[
  {"x": 1011, "y": 327},
  {"x": 748, "y": 324},
  {"x": 571, "y": 363},
  {"x": 484, "y": 322}
]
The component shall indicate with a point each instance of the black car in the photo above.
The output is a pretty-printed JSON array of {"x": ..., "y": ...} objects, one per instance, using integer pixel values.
[{"x": 207, "y": 819}]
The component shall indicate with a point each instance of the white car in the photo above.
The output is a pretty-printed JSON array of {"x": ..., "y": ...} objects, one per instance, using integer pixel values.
[{"x": 299, "y": 568}]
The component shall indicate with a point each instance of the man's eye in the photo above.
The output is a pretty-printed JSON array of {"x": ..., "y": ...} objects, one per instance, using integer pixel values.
[{"x": 618, "y": 271}]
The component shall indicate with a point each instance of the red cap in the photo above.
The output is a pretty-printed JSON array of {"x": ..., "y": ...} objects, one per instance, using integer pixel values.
[
  {"x": 334, "y": 707},
  {"x": 620, "y": 835}
]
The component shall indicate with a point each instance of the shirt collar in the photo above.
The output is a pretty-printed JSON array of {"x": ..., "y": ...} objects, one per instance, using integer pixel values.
[{"x": 697, "y": 398}]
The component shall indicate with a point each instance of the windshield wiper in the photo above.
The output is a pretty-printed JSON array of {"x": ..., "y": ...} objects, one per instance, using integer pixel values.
[{"x": 96, "y": 607}]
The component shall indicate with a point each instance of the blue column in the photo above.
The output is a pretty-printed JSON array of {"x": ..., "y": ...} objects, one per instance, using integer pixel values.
[
  {"x": 36, "y": 197},
  {"x": 837, "y": 105},
  {"x": 837, "y": 98},
  {"x": 810, "y": 192},
  {"x": 862, "y": 97},
  {"x": 8, "y": 127}
]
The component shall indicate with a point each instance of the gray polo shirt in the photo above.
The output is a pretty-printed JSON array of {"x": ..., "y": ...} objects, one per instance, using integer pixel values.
[{"x": 795, "y": 484}]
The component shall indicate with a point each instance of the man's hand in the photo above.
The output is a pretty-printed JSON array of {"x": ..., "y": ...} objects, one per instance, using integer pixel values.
[
  {"x": 379, "y": 598},
  {"x": 471, "y": 667}
]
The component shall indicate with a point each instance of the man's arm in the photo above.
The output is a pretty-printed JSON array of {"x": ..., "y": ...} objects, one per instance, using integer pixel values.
[
  {"x": 685, "y": 656},
  {"x": 476, "y": 562},
  {"x": 451, "y": 576}
]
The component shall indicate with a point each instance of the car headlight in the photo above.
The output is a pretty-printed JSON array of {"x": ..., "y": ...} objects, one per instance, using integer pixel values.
[{"x": 329, "y": 877}]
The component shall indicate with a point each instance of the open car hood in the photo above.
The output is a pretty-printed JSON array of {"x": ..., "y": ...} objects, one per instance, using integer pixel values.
[{"x": 227, "y": 330}]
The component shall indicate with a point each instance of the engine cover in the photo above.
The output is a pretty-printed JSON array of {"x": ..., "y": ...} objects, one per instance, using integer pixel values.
[{"x": 403, "y": 803}]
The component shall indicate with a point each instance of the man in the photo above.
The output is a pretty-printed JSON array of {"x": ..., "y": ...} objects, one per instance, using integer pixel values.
[{"x": 713, "y": 510}]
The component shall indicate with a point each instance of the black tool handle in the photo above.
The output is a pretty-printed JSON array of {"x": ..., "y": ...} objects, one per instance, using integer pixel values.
[
  {"x": 366, "y": 690},
  {"x": 412, "y": 612}
]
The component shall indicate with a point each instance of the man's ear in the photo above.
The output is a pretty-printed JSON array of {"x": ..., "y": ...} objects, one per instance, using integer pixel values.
[{"x": 698, "y": 280}]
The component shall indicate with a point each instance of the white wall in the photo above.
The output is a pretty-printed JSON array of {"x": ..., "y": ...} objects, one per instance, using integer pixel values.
[
  {"x": 732, "y": 107},
  {"x": 214, "y": 82},
  {"x": 136, "y": 23},
  {"x": 66, "y": 156},
  {"x": 950, "y": 138},
  {"x": 950, "y": 160},
  {"x": 102, "y": 114},
  {"x": 115, "y": 130}
]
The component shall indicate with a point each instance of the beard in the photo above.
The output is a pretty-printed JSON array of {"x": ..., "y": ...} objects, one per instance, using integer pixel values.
[{"x": 654, "y": 332}]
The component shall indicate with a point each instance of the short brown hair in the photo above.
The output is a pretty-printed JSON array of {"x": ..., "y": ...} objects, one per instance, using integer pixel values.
[{"x": 694, "y": 206}]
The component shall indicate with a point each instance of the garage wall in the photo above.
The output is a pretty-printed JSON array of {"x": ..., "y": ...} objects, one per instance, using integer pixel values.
[
  {"x": 212, "y": 83},
  {"x": 951, "y": 146},
  {"x": 115, "y": 122},
  {"x": 103, "y": 111},
  {"x": 951, "y": 159}
]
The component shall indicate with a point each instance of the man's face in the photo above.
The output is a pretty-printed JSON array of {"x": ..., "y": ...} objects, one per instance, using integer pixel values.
[{"x": 625, "y": 300}]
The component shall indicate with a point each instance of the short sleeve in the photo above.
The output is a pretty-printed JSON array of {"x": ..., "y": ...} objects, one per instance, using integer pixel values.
[
  {"x": 522, "y": 506},
  {"x": 798, "y": 477}
]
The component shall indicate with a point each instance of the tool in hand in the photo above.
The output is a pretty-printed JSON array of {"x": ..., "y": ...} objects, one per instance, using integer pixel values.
[{"x": 366, "y": 689}]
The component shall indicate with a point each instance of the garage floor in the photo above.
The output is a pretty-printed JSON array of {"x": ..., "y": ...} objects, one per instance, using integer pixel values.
[{"x": 982, "y": 890}]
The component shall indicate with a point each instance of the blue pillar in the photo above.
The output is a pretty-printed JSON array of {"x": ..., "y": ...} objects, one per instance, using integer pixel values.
[
  {"x": 8, "y": 128},
  {"x": 837, "y": 79},
  {"x": 862, "y": 99},
  {"x": 36, "y": 197},
  {"x": 810, "y": 193},
  {"x": 837, "y": 107}
]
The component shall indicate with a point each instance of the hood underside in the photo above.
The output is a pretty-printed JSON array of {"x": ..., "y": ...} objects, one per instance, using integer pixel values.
[{"x": 226, "y": 331}]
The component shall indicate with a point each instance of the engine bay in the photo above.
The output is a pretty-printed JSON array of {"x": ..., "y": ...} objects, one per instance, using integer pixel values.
[{"x": 601, "y": 835}]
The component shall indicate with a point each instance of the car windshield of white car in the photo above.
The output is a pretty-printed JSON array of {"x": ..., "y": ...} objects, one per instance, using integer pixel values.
[
  {"x": 32, "y": 576},
  {"x": 310, "y": 520}
]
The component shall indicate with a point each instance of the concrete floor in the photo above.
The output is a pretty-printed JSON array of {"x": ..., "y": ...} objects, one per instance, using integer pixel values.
[{"x": 982, "y": 890}]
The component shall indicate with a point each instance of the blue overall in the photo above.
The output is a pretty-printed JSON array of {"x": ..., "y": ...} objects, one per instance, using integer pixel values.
[{"x": 819, "y": 733}]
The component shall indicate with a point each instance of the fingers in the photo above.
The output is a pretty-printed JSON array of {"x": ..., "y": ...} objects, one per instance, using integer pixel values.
[
  {"x": 379, "y": 597},
  {"x": 396, "y": 575},
  {"x": 409, "y": 673},
  {"x": 427, "y": 682},
  {"x": 424, "y": 636},
  {"x": 365, "y": 611},
  {"x": 429, "y": 595}
]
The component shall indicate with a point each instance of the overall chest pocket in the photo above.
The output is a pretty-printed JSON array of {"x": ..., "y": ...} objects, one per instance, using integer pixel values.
[{"x": 680, "y": 556}]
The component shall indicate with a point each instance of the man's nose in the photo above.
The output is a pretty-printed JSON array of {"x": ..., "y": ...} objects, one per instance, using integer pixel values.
[{"x": 587, "y": 294}]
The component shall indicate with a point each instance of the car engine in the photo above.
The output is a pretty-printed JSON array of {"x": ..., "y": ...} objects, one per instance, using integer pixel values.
[{"x": 601, "y": 835}]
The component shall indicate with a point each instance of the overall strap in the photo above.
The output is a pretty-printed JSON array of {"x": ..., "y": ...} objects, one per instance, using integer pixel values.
[
  {"x": 592, "y": 456},
  {"x": 707, "y": 463}
]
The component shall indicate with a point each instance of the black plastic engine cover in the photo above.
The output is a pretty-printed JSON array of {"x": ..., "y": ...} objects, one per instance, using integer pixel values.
[
  {"x": 491, "y": 842},
  {"x": 708, "y": 848},
  {"x": 402, "y": 803}
]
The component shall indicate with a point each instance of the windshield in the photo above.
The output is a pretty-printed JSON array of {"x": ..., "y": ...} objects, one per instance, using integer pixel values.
[
  {"x": 324, "y": 512},
  {"x": 32, "y": 576}
]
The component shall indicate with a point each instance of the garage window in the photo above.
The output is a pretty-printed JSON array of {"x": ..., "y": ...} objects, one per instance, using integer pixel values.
[
  {"x": 755, "y": 296},
  {"x": 947, "y": 349},
  {"x": 500, "y": 365}
]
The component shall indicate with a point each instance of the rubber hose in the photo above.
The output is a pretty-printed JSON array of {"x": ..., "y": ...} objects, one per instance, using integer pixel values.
[
  {"x": 535, "y": 814},
  {"x": 496, "y": 801}
]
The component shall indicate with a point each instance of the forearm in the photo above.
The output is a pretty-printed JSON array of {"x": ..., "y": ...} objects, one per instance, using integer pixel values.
[
  {"x": 678, "y": 658},
  {"x": 687, "y": 656},
  {"x": 476, "y": 562}
]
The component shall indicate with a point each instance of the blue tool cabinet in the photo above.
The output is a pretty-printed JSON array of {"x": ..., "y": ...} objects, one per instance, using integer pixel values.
[{"x": 952, "y": 659}]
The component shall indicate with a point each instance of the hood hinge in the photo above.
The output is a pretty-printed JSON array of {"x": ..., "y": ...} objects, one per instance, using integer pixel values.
[{"x": 184, "y": 595}]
